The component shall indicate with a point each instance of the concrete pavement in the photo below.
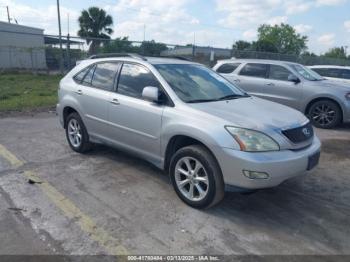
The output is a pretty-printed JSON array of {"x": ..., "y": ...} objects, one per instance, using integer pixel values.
[{"x": 108, "y": 202}]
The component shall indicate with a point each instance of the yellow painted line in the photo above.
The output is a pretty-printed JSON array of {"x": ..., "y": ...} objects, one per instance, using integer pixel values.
[
  {"x": 86, "y": 224},
  {"x": 111, "y": 244},
  {"x": 11, "y": 158}
]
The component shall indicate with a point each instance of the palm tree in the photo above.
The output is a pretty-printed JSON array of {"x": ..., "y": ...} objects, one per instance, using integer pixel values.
[{"x": 95, "y": 23}]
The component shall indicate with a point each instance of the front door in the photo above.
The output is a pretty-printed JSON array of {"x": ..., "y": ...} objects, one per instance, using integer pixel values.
[
  {"x": 136, "y": 123},
  {"x": 279, "y": 89}
]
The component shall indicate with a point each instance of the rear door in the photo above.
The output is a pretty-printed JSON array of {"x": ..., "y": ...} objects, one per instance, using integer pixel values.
[
  {"x": 136, "y": 122},
  {"x": 93, "y": 93},
  {"x": 279, "y": 89},
  {"x": 252, "y": 78}
]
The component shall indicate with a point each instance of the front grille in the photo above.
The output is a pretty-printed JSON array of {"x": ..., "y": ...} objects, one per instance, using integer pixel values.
[{"x": 299, "y": 134}]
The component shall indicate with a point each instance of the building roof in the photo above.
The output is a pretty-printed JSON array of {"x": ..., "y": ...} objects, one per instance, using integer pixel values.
[
  {"x": 49, "y": 40},
  {"x": 7, "y": 24}
]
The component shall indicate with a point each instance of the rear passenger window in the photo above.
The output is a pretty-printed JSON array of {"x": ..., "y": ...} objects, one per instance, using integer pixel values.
[
  {"x": 104, "y": 76},
  {"x": 134, "y": 78},
  {"x": 255, "y": 70},
  {"x": 278, "y": 73},
  {"x": 227, "y": 68}
]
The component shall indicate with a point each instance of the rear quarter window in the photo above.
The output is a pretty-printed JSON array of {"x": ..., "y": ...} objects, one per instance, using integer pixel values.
[{"x": 227, "y": 68}]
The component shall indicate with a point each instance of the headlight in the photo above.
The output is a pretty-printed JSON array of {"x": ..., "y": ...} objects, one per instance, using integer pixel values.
[{"x": 252, "y": 141}]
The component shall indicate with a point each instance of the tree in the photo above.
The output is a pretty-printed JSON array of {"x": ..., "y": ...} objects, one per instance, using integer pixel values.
[
  {"x": 264, "y": 46},
  {"x": 283, "y": 37},
  {"x": 336, "y": 52},
  {"x": 152, "y": 48},
  {"x": 95, "y": 23},
  {"x": 241, "y": 45},
  {"x": 119, "y": 45}
]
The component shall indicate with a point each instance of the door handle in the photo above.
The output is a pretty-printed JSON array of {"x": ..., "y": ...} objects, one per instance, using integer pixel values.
[
  {"x": 270, "y": 84},
  {"x": 237, "y": 80},
  {"x": 115, "y": 101},
  {"x": 79, "y": 92}
]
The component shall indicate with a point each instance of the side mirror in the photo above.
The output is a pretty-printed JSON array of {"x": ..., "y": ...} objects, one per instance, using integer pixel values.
[
  {"x": 293, "y": 78},
  {"x": 151, "y": 93}
]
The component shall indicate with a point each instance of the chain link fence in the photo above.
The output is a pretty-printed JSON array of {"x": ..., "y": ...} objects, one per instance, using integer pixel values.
[{"x": 47, "y": 56}]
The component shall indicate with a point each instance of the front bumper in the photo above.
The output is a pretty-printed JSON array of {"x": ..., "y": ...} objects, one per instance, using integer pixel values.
[{"x": 280, "y": 165}]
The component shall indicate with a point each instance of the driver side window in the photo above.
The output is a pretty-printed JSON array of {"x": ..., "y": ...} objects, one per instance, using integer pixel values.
[
  {"x": 279, "y": 73},
  {"x": 134, "y": 78}
]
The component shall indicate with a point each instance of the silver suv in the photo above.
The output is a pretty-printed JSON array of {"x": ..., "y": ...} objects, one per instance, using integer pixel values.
[
  {"x": 187, "y": 120},
  {"x": 325, "y": 102}
]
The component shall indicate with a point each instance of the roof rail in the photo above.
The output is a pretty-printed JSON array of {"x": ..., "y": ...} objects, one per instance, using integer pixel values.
[
  {"x": 106, "y": 55},
  {"x": 177, "y": 57}
]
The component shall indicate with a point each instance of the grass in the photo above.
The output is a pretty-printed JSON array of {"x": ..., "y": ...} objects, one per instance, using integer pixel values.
[{"x": 19, "y": 92}]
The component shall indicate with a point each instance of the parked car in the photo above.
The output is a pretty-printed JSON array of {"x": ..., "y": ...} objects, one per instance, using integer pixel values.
[
  {"x": 187, "y": 120},
  {"x": 337, "y": 73},
  {"x": 325, "y": 102}
]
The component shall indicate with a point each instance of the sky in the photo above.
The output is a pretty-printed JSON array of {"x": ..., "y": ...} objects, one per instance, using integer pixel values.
[{"x": 216, "y": 23}]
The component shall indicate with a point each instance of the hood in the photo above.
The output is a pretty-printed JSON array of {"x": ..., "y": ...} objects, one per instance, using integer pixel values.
[
  {"x": 332, "y": 84},
  {"x": 254, "y": 113}
]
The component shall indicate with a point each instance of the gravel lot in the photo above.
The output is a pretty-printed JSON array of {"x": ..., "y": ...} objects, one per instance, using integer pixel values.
[{"x": 108, "y": 202}]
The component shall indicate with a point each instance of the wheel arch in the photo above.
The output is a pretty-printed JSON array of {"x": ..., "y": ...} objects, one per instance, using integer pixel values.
[
  {"x": 67, "y": 110},
  {"x": 310, "y": 103},
  {"x": 179, "y": 141}
]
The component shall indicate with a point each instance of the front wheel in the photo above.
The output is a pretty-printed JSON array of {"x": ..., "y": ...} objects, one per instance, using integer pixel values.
[
  {"x": 325, "y": 114},
  {"x": 196, "y": 177}
]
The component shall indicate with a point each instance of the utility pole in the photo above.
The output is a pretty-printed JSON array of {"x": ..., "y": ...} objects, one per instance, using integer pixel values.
[
  {"x": 60, "y": 36},
  {"x": 144, "y": 32},
  {"x": 68, "y": 44},
  {"x": 8, "y": 14}
]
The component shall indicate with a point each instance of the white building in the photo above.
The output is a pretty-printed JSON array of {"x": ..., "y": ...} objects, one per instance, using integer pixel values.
[{"x": 21, "y": 47}]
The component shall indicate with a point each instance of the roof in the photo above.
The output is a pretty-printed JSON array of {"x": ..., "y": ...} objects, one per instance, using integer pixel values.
[
  {"x": 233, "y": 60},
  {"x": 138, "y": 58},
  {"x": 329, "y": 66},
  {"x": 2, "y": 23}
]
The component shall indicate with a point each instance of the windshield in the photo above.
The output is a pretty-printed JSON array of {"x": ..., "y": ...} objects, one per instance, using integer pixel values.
[
  {"x": 307, "y": 73},
  {"x": 195, "y": 83}
]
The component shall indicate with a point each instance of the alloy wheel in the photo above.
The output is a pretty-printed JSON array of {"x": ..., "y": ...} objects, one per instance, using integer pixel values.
[
  {"x": 323, "y": 114},
  {"x": 74, "y": 133},
  {"x": 191, "y": 178}
]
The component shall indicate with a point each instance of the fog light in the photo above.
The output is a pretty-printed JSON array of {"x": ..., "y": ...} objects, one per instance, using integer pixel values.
[{"x": 255, "y": 174}]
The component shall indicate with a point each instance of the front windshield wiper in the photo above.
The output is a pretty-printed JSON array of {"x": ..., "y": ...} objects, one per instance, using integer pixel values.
[
  {"x": 232, "y": 96},
  {"x": 201, "y": 100}
]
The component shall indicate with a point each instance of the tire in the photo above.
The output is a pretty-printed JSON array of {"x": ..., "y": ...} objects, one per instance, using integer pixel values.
[
  {"x": 208, "y": 177},
  {"x": 75, "y": 125},
  {"x": 325, "y": 114}
]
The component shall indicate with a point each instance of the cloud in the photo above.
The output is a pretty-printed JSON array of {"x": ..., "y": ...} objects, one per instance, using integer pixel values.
[
  {"x": 326, "y": 39},
  {"x": 252, "y": 12},
  {"x": 44, "y": 17},
  {"x": 297, "y": 6},
  {"x": 164, "y": 21},
  {"x": 250, "y": 34},
  {"x": 277, "y": 20},
  {"x": 347, "y": 25},
  {"x": 330, "y": 2},
  {"x": 302, "y": 29}
]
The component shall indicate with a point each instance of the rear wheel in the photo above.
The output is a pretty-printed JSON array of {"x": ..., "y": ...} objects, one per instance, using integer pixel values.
[
  {"x": 77, "y": 136},
  {"x": 196, "y": 177},
  {"x": 325, "y": 114}
]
